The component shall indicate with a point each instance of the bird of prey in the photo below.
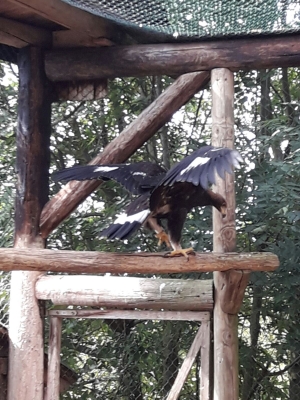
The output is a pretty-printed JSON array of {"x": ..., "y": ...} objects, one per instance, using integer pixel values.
[{"x": 162, "y": 194}]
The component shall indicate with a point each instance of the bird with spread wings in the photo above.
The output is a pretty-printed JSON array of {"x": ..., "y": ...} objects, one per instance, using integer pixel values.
[{"x": 162, "y": 194}]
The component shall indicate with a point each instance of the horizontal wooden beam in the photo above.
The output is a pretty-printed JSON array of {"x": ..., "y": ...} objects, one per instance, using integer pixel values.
[
  {"x": 72, "y": 38},
  {"x": 144, "y": 263},
  {"x": 126, "y": 292},
  {"x": 131, "y": 314},
  {"x": 19, "y": 35},
  {"x": 123, "y": 146},
  {"x": 172, "y": 59}
]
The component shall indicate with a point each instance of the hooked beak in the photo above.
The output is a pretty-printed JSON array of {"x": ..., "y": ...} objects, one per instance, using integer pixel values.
[{"x": 223, "y": 211}]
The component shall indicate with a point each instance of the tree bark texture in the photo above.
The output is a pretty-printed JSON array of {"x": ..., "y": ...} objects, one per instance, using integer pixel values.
[
  {"x": 172, "y": 59},
  {"x": 229, "y": 288},
  {"x": 118, "y": 151},
  {"x": 33, "y": 136},
  {"x": 53, "y": 372},
  {"x": 126, "y": 292},
  {"x": 97, "y": 262}
]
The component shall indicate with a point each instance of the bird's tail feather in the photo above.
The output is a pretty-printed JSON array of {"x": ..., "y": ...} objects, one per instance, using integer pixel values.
[
  {"x": 125, "y": 225},
  {"x": 118, "y": 231}
]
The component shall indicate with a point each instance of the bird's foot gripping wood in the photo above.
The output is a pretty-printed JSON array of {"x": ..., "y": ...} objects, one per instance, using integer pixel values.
[
  {"x": 163, "y": 237},
  {"x": 181, "y": 252}
]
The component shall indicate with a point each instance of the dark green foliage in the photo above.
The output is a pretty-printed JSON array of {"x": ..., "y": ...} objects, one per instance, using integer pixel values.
[{"x": 132, "y": 359}]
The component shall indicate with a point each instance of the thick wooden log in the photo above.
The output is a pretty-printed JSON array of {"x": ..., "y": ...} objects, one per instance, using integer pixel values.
[
  {"x": 172, "y": 59},
  {"x": 132, "y": 138},
  {"x": 126, "y": 292},
  {"x": 33, "y": 137},
  {"x": 145, "y": 263},
  {"x": 225, "y": 324}
]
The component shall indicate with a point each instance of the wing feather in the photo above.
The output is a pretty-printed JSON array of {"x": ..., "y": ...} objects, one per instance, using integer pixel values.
[
  {"x": 130, "y": 220},
  {"x": 137, "y": 178},
  {"x": 201, "y": 166}
]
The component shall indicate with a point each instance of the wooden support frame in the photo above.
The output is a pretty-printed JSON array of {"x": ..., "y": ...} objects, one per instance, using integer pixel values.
[
  {"x": 25, "y": 378},
  {"x": 70, "y": 17},
  {"x": 20, "y": 35},
  {"x": 172, "y": 59},
  {"x": 200, "y": 316},
  {"x": 228, "y": 285},
  {"x": 122, "y": 147},
  {"x": 186, "y": 366},
  {"x": 200, "y": 343},
  {"x": 153, "y": 263}
]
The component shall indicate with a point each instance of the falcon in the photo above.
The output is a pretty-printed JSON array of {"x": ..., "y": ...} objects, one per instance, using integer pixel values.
[{"x": 162, "y": 194}]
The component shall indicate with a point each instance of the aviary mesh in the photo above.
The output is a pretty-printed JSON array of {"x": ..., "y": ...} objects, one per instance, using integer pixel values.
[{"x": 194, "y": 19}]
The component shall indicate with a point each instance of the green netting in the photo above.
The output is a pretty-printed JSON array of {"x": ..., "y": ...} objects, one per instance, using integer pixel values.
[{"x": 182, "y": 19}]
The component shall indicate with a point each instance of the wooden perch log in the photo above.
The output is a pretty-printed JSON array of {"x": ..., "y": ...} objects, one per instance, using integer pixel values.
[
  {"x": 172, "y": 59},
  {"x": 126, "y": 292},
  {"x": 145, "y": 263},
  {"x": 118, "y": 151}
]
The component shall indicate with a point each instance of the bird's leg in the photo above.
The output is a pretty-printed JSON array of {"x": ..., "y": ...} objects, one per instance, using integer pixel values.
[
  {"x": 175, "y": 224},
  {"x": 161, "y": 235}
]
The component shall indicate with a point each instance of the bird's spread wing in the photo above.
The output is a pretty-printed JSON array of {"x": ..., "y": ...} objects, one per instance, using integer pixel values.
[
  {"x": 137, "y": 178},
  {"x": 200, "y": 167},
  {"x": 130, "y": 220}
]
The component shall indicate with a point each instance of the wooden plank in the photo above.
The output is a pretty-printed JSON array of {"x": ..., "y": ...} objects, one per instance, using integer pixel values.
[
  {"x": 122, "y": 147},
  {"x": 32, "y": 165},
  {"x": 126, "y": 292},
  {"x": 186, "y": 366},
  {"x": 172, "y": 59},
  {"x": 71, "y": 38},
  {"x": 205, "y": 369},
  {"x": 9, "y": 40},
  {"x": 225, "y": 325},
  {"x": 68, "y": 16},
  {"x": 145, "y": 263},
  {"x": 53, "y": 373},
  {"x": 23, "y": 35},
  {"x": 132, "y": 314}
]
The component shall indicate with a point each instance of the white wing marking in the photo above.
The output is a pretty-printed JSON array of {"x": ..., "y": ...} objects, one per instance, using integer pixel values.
[
  {"x": 195, "y": 163},
  {"x": 138, "y": 217}
]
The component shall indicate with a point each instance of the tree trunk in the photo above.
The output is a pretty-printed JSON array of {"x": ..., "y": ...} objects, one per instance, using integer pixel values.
[{"x": 266, "y": 113}]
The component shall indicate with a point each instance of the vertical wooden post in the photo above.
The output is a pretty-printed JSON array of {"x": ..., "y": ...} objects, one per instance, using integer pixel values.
[
  {"x": 205, "y": 369},
  {"x": 33, "y": 155},
  {"x": 53, "y": 373},
  {"x": 225, "y": 319}
]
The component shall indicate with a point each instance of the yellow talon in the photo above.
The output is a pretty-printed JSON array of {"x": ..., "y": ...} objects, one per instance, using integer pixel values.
[
  {"x": 181, "y": 252},
  {"x": 163, "y": 238}
]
